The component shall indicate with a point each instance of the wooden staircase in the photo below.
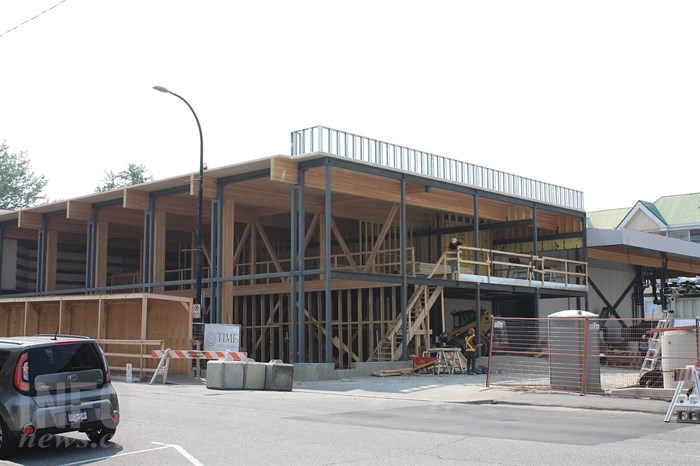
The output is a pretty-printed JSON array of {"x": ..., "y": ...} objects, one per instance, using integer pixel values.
[{"x": 417, "y": 310}]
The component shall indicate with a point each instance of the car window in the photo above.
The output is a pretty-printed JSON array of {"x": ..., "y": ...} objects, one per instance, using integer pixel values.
[
  {"x": 72, "y": 357},
  {"x": 3, "y": 358}
]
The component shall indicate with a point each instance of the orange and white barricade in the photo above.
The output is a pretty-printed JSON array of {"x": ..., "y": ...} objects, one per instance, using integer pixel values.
[{"x": 166, "y": 355}]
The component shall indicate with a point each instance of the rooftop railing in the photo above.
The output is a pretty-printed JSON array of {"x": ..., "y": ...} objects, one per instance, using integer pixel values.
[{"x": 344, "y": 144}]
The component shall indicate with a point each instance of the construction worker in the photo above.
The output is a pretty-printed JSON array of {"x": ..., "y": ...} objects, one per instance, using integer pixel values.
[
  {"x": 470, "y": 348},
  {"x": 454, "y": 254}
]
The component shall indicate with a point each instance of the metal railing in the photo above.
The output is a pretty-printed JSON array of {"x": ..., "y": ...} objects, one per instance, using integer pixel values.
[{"x": 344, "y": 144}]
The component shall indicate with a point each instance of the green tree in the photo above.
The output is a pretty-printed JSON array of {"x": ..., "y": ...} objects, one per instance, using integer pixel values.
[
  {"x": 19, "y": 186},
  {"x": 134, "y": 174}
]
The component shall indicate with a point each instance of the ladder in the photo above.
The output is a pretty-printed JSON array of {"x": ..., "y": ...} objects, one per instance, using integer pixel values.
[
  {"x": 688, "y": 402},
  {"x": 654, "y": 344}
]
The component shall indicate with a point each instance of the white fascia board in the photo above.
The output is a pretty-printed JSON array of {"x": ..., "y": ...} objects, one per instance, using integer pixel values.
[
  {"x": 637, "y": 207},
  {"x": 596, "y": 237}
]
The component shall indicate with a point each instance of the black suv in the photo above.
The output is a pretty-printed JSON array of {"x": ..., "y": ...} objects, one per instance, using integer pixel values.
[{"x": 51, "y": 384}]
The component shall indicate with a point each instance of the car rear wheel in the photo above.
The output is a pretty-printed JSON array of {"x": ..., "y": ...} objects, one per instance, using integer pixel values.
[
  {"x": 101, "y": 435},
  {"x": 8, "y": 441}
]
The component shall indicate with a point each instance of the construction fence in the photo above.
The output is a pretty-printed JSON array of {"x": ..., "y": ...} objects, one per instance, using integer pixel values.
[{"x": 588, "y": 355}]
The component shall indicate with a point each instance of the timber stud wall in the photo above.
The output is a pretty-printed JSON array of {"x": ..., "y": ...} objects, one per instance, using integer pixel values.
[{"x": 360, "y": 318}]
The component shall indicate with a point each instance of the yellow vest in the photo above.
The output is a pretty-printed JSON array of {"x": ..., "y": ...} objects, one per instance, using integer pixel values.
[{"x": 469, "y": 343}]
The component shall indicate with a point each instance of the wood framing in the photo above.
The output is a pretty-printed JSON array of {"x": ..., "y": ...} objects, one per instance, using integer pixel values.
[
  {"x": 390, "y": 287},
  {"x": 127, "y": 318}
]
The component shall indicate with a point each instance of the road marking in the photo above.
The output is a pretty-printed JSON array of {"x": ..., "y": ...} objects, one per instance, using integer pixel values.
[
  {"x": 92, "y": 460},
  {"x": 416, "y": 389},
  {"x": 183, "y": 452},
  {"x": 162, "y": 446}
]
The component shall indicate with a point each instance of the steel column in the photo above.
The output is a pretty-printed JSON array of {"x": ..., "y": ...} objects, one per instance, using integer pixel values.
[
  {"x": 327, "y": 259},
  {"x": 90, "y": 251},
  {"x": 148, "y": 219},
  {"x": 215, "y": 288},
  {"x": 301, "y": 302},
  {"x": 41, "y": 258},
  {"x": 404, "y": 280},
  {"x": 293, "y": 298}
]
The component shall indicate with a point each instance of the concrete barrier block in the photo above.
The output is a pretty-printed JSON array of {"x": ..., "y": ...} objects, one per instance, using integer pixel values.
[
  {"x": 279, "y": 376},
  {"x": 225, "y": 375},
  {"x": 254, "y": 378}
]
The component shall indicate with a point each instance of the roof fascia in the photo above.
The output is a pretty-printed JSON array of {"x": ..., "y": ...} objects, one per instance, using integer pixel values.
[{"x": 597, "y": 237}]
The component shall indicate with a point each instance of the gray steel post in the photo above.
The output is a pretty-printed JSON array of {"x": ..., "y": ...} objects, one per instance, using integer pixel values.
[{"x": 327, "y": 266}]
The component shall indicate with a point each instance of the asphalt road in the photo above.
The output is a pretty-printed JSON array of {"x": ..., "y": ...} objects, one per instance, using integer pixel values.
[{"x": 190, "y": 425}]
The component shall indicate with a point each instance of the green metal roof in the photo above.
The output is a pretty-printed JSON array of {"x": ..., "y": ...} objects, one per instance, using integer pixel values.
[
  {"x": 606, "y": 219},
  {"x": 680, "y": 209}
]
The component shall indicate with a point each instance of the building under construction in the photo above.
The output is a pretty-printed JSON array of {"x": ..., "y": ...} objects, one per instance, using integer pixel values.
[{"x": 336, "y": 254}]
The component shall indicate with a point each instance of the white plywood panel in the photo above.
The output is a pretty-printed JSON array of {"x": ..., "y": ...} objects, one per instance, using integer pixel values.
[{"x": 612, "y": 279}]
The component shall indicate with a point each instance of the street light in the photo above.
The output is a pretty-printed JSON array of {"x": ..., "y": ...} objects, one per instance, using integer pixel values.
[{"x": 198, "y": 301}]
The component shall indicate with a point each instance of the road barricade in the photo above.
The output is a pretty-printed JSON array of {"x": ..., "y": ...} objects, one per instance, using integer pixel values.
[{"x": 166, "y": 355}]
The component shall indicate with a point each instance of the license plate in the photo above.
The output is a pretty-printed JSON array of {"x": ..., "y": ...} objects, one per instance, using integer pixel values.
[{"x": 77, "y": 417}]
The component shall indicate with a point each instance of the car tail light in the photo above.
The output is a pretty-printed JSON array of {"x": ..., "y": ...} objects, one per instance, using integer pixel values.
[
  {"x": 115, "y": 417},
  {"x": 21, "y": 377},
  {"x": 108, "y": 377}
]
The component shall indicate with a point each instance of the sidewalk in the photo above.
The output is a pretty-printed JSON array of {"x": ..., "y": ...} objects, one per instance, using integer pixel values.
[
  {"x": 471, "y": 389},
  {"x": 457, "y": 388}
]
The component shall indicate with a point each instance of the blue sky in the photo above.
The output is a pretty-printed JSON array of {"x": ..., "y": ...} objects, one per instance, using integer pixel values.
[{"x": 599, "y": 96}]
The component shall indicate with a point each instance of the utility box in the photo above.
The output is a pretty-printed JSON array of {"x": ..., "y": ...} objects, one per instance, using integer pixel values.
[
  {"x": 279, "y": 376},
  {"x": 574, "y": 351}
]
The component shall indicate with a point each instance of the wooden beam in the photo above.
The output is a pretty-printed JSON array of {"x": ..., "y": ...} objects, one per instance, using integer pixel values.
[
  {"x": 159, "y": 246},
  {"x": 310, "y": 286},
  {"x": 310, "y": 231},
  {"x": 101, "y": 319},
  {"x": 380, "y": 238},
  {"x": 227, "y": 253},
  {"x": 210, "y": 190},
  {"x": 144, "y": 317},
  {"x": 66, "y": 226},
  {"x": 180, "y": 205},
  {"x": 648, "y": 260},
  {"x": 79, "y": 210},
  {"x": 253, "y": 244},
  {"x": 270, "y": 249},
  {"x": 343, "y": 245},
  {"x": 31, "y": 220},
  {"x": 135, "y": 199},
  {"x": 241, "y": 245},
  {"x": 61, "y": 313},
  {"x": 269, "y": 195},
  {"x": 120, "y": 216},
  {"x": 270, "y": 318},
  {"x": 284, "y": 169}
]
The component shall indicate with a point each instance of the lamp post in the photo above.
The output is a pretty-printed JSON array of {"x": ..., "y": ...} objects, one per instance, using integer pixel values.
[{"x": 198, "y": 301}]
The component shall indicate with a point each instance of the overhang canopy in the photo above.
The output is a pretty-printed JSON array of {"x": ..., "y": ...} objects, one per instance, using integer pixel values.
[{"x": 644, "y": 249}]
